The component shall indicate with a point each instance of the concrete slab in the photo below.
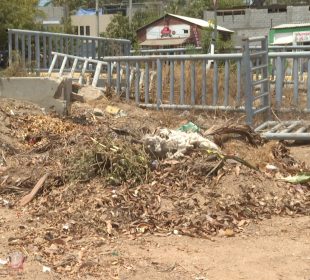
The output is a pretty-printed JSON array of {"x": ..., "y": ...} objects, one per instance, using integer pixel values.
[{"x": 51, "y": 94}]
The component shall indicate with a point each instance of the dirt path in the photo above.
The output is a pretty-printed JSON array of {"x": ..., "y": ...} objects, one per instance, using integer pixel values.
[
  {"x": 278, "y": 248},
  {"x": 11, "y": 229}
]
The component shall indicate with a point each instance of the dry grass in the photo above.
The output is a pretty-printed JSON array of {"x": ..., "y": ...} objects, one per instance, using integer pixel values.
[{"x": 198, "y": 85}]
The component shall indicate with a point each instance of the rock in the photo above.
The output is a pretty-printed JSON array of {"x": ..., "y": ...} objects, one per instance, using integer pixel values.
[
  {"x": 98, "y": 112},
  {"x": 87, "y": 94}
]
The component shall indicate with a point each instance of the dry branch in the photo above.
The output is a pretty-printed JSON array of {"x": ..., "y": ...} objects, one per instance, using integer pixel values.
[{"x": 27, "y": 198}]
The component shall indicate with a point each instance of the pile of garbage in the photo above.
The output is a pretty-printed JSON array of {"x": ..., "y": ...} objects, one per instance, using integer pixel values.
[{"x": 106, "y": 175}]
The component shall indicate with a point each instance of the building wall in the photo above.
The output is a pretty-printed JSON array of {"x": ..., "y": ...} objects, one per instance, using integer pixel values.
[
  {"x": 171, "y": 21},
  {"x": 287, "y": 31},
  {"x": 155, "y": 6},
  {"x": 53, "y": 13},
  {"x": 257, "y": 22},
  {"x": 90, "y": 23}
]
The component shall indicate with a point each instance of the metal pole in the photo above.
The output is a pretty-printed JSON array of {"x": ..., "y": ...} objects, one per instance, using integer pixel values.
[
  {"x": 130, "y": 12},
  {"x": 97, "y": 18},
  {"x": 215, "y": 24}
]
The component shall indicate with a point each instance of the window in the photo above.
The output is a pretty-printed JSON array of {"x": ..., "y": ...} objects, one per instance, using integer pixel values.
[
  {"x": 231, "y": 13},
  {"x": 277, "y": 10},
  {"x": 76, "y": 30},
  {"x": 81, "y": 30},
  {"x": 87, "y": 30},
  {"x": 185, "y": 31}
]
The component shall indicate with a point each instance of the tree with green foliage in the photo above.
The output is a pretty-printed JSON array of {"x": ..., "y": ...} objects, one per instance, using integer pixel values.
[
  {"x": 119, "y": 27},
  {"x": 17, "y": 14},
  {"x": 222, "y": 44}
]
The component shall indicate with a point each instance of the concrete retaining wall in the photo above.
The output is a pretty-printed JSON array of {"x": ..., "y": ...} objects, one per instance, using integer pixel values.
[{"x": 51, "y": 94}]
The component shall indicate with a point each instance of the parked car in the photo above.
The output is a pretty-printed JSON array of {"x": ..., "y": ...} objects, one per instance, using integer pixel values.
[{"x": 4, "y": 59}]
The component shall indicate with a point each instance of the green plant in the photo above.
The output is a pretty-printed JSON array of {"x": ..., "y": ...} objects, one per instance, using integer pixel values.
[
  {"x": 223, "y": 43},
  {"x": 191, "y": 49},
  {"x": 17, "y": 14}
]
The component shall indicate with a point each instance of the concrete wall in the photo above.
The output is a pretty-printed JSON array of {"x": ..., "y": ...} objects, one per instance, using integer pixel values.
[
  {"x": 90, "y": 20},
  {"x": 53, "y": 95},
  {"x": 257, "y": 22},
  {"x": 53, "y": 13}
]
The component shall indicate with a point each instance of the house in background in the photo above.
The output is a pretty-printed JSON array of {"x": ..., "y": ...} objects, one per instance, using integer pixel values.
[
  {"x": 171, "y": 31},
  {"x": 290, "y": 34},
  {"x": 251, "y": 22},
  {"x": 53, "y": 16},
  {"x": 84, "y": 22}
]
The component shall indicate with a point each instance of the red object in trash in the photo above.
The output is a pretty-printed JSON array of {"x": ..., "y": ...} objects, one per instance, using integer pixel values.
[{"x": 16, "y": 260}]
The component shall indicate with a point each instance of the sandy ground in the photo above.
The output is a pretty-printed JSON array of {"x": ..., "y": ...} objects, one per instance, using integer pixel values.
[{"x": 278, "y": 248}]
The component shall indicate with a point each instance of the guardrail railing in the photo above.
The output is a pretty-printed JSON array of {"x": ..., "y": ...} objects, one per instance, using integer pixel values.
[
  {"x": 168, "y": 51},
  {"x": 178, "y": 81},
  {"x": 290, "y": 72},
  {"x": 184, "y": 81},
  {"x": 35, "y": 47},
  {"x": 257, "y": 94}
]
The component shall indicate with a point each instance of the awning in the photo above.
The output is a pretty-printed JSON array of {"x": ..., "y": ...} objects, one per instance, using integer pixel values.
[{"x": 164, "y": 42}]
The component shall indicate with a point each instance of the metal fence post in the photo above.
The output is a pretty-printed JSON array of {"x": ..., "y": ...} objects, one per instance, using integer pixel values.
[
  {"x": 265, "y": 75},
  {"x": 193, "y": 83},
  {"x": 10, "y": 47},
  {"x": 37, "y": 50},
  {"x": 279, "y": 82},
  {"x": 159, "y": 83},
  {"x": 23, "y": 50},
  {"x": 246, "y": 81}
]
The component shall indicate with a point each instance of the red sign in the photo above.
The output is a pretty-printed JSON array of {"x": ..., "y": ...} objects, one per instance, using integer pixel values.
[{"x": 166, "y": 32}]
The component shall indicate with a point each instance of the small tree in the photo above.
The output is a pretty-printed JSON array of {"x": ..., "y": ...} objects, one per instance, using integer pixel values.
[
  {"x": 17, "y": 14},
  {"x": 119, "y": 27},
  {"x": 222, "y": 44}
]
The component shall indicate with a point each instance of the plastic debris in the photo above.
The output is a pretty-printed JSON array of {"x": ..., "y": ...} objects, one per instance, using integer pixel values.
[
  {"x": 176, "y": 143},
  {"x": 271, "y": 167},
  {"x": 115, "y": 111},
  {"x": 46, "y": 269},
  {"x": 189, "y": 127},
  {"x": 3, "y": 262},
  {"x": 66, "y": 227},
  {"x": 16, "y": 260}
]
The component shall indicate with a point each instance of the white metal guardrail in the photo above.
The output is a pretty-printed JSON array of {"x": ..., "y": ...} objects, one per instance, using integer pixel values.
[
  {"x": 178, "y": 81},
  {"x": 35, "y": 47},
  {"x": 257, "y": 94},
  {"x": 236, "y": 82}
]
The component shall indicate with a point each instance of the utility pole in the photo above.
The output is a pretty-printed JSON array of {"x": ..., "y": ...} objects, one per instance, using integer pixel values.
[
  {"x": 130, "y": 12},
  {"x": 215, "y": 24},
  {"x": 97, "y": 18}
]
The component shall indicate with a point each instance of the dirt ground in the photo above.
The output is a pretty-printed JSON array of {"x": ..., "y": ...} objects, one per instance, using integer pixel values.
[
  {"x": 278, "y": 248},
  {"x": 206, "y": 215}
]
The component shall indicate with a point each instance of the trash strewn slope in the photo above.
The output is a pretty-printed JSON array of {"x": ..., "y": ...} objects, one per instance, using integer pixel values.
[{"x": 106, "y": 175}]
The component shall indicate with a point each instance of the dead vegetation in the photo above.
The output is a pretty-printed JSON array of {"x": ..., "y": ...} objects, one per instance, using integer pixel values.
[{"x": 102, "y": 183}]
